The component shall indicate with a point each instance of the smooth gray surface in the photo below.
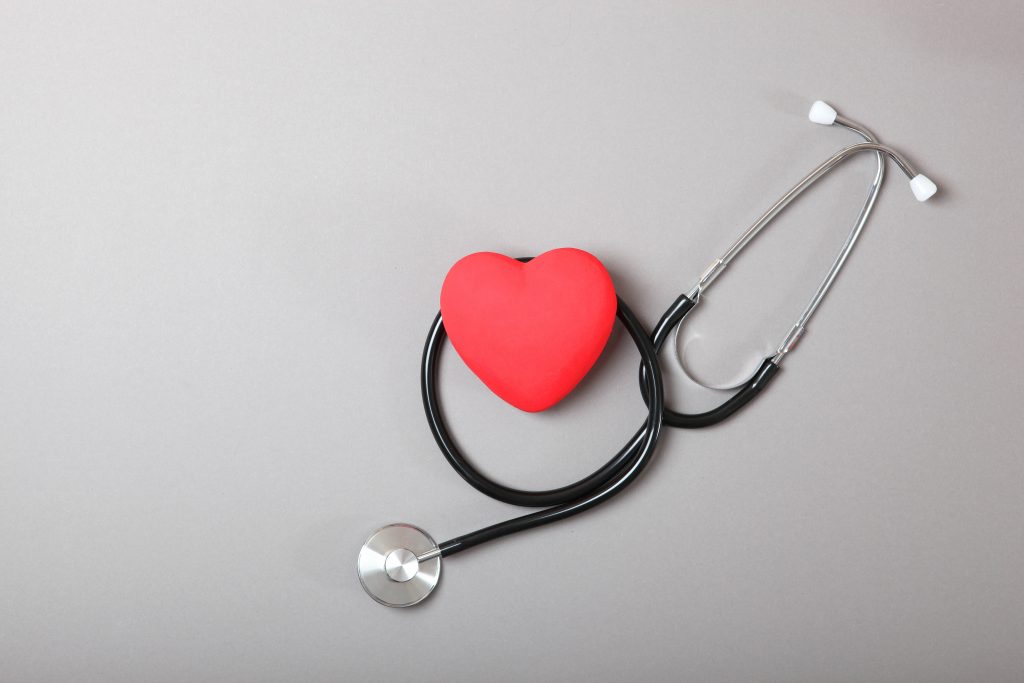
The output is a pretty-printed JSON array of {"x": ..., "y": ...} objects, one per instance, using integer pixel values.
[{"x": 222, "y": 235}]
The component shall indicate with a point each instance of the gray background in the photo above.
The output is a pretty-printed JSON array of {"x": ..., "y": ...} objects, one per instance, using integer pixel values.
[{"x": 222, "y": 235}]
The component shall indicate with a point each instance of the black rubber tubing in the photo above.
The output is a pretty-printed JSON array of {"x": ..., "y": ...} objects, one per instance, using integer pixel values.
[{"x": 565, "y": 501}]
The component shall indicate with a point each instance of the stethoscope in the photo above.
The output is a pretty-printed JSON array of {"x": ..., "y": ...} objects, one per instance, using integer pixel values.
[{"x": 400, "y": 564}]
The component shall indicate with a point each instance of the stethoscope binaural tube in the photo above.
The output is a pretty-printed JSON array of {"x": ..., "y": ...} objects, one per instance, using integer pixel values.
[{"x": 672, "y": 319}]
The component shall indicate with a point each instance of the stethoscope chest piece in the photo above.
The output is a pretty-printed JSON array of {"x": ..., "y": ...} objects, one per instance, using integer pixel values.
[{"x": 399, "y": 565}]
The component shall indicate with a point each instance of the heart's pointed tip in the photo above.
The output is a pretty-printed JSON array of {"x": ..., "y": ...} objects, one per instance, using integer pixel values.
[{"x": 533, "y": 409}]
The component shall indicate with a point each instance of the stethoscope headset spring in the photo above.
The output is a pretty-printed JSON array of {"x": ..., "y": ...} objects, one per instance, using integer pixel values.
[{"x": 400, "y": 564}]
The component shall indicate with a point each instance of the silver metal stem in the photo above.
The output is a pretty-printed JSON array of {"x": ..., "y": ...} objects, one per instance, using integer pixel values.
[
  {"x": 871, "y": 143},
  {"x": 719, "y": 264},
  {"x": 812, "y": 177},
  {"x": 429, "y": 555},
  {"x": 798, "y": 329}
]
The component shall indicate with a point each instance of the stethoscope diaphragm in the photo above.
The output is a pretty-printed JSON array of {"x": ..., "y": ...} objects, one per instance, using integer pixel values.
[{"x": 399, "y": 565}]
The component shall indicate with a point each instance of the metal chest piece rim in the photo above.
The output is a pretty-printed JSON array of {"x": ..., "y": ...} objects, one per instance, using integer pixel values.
[{"x": 399, "y": 565}]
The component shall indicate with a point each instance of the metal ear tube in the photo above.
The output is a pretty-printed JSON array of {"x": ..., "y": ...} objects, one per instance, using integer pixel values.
[{"x": 671, "y": 321}]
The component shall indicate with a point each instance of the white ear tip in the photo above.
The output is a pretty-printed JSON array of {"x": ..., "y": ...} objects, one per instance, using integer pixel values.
[
  {"x": 822, "y": 113},
  {"x": 922, "y": 187}
]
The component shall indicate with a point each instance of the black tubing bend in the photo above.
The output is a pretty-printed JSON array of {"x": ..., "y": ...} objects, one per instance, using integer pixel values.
[
  {"x": 674, "y": 317},
  {"x": 566, "y": 501}
]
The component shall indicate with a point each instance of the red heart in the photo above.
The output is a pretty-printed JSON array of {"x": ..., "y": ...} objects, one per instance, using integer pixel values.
[{"x": 529, "y": 331}]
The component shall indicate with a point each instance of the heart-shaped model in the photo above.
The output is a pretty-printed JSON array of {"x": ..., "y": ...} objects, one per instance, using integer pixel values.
[{"x": 530, "y": 331}]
